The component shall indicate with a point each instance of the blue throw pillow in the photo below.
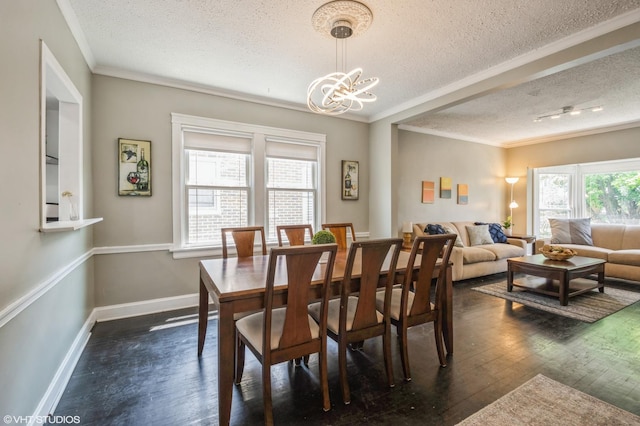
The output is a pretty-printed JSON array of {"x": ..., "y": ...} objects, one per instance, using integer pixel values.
[
  {"x": 495, "y": 230},
  {"x": 434, "y": 229}
]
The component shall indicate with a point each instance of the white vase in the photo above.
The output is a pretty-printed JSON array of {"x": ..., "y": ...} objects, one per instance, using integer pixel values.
[
  {"x": 507, "y": 231},
  {"x": 73, "y": 209}
]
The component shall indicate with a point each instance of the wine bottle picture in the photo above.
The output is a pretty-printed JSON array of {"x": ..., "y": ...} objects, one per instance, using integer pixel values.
[
  {"x": 143, "y": 170},
  {"x": 349, "y": 180},
  {"x": 134, "y": 167}
]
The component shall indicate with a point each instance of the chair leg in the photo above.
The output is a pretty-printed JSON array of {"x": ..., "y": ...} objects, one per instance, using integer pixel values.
[
  {"x": 386, "y": 343},
  {"x": 266, "y": 394},
  {"x": 239, "y": 358},
  {"x": 324, "y": 378},
  {"x": 437, "y": 331},
  {"x": 404, "y": 351},
  {"x": 342, "y": 362},
  {"x": 306, "y": 359}
]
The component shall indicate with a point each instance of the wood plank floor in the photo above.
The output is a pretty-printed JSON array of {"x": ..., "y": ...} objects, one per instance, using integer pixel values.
[{"x": 145, "y": 370}]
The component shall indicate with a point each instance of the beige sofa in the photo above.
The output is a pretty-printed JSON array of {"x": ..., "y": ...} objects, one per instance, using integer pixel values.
[
  {"x": 618, "y": 244},
  {"x": 475, "y": 261}
]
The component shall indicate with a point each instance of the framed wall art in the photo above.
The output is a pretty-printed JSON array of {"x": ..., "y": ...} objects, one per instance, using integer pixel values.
[
  {"x": 428, "y": 191},
  {"x": 463, "y": 193},
  {"x": 350, "y": 184},
  {"x": 445, "y": 187},
  {"x": 134, "y": 167}
]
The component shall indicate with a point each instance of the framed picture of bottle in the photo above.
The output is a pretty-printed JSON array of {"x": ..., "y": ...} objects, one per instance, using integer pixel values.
[
  {"x": 350, "y": 183},
  {"x": 134, "y": 167}
]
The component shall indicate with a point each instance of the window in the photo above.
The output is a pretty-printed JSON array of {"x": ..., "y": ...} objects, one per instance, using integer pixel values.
[
  {"x": 291, "y": 171},
  {"x": 607, "y": 192},
  {"x": 234, "y": 174}
]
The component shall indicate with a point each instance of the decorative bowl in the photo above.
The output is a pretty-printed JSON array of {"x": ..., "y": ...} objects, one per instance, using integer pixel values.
[{"x": 557, "y": 252}]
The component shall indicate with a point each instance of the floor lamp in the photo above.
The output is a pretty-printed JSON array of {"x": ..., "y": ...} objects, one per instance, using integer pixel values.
[{"x": 512, "y": 204}]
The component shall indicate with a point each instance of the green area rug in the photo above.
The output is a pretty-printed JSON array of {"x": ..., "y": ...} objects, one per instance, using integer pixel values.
[
  {"x": 587, "y": 307},
  {"x": 542, "y": 401}
]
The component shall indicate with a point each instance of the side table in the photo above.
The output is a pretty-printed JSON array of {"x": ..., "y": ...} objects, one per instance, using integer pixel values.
[{"x": 529, "y": 239}]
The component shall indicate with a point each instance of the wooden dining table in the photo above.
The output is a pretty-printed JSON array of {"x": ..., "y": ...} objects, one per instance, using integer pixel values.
[{"x": 237, "y": 285}]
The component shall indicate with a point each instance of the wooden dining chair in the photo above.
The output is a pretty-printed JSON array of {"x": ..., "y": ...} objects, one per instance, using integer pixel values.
[
  {"x": 353, "y": 317},
  {"x": 416, "y": 301},
  {"x": 280, "y": 334},
  {"x": 340, "y": 231},
  {"x": 295, "y": 234},
  {"x": 244, "y": 240}
]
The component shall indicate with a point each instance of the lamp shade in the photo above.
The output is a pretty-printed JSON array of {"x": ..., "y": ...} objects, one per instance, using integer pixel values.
[
  {"x": 512, "y": 180},
  {"x": 513, "y": 205},
  {"x": 407, "y": 227}
]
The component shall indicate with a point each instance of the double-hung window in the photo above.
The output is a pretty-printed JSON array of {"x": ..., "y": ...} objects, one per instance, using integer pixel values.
[
  {"x": 217, "y": 185},
  {"x": 291, "y": 184},
  {"x": 229, "y": 174}
]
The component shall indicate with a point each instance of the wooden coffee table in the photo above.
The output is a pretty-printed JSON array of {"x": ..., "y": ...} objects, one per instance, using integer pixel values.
[{"x": 560, "y": 278}]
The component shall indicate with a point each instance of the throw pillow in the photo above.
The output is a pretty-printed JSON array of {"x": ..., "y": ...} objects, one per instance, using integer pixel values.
[
  {"x": 434, "y": 229},
  {"x": 458, "y": 242},
  {"x": 497, "y": 234},
  {"x": 479, "y": 235},
  {"x": 571, "y": 231}
]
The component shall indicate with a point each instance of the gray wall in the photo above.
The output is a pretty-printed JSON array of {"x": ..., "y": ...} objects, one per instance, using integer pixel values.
[
  {"x": 35, "y": 341},
  {"x": 124, "y": 108},
  {"x": 426, "y": 157},
  {"x": 392, "y": 166}
]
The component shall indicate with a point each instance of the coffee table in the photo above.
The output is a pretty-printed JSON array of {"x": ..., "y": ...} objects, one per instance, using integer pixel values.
[{"x": 560, "y": 278}]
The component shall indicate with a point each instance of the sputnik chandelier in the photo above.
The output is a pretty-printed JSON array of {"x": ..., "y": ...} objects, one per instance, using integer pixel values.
[
  {"x": 339, "y": 92},
  {"x": 567, "y": 110}
]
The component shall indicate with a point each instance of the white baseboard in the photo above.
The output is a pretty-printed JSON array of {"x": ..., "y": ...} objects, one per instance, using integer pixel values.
[
  {"x": 54, "y": 392},
  {"x": 56, "y": 388},
  {"x": 126, "y": 310}
]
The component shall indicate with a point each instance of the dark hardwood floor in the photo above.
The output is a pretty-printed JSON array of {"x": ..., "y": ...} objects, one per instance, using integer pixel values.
[{"x": 145, "y": 370}]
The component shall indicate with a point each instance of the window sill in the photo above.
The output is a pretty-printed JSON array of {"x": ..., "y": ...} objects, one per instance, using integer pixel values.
[{"x": 69, "y": 225}]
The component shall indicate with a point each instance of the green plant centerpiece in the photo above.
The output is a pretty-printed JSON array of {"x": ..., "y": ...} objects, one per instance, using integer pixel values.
[
  {"x": 507, "y": 223},
  {"x": 323, "y": 237}
]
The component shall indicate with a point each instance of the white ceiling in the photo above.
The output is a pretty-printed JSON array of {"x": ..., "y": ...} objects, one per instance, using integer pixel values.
[{"x": 478, "y": 70}]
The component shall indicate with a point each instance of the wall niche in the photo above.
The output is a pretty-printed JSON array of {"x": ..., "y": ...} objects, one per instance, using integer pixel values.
[{"x": 61, "y": 192}]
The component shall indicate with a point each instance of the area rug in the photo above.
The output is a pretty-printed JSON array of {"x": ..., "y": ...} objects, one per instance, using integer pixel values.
[
  {"x": 587, "y": 307},
  {"x": 542, "y": 401}
]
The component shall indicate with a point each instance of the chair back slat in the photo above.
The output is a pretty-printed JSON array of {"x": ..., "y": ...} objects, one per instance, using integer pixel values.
[
  {"x": 340, "y": 232},
  {"x": 295, "y": 234},
  {"x": 431, "y": 248},
  {"x": 244, "y": 240},
  {"x": 372, "y": 254},
  {"x": 300, "y": 269}
]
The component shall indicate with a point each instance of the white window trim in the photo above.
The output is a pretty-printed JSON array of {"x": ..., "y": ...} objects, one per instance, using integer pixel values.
[{"x": 183, "y": 122}]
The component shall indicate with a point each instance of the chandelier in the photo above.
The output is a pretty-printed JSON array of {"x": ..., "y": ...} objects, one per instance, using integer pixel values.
[
  {"x": 567, "y": 110},
  {"x": 340, "y": 91}
]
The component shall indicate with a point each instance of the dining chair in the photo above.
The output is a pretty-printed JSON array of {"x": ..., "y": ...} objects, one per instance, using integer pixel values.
[
  {"x": 340, "y": 231},
  {"x": 420, "y": 299},
  {"x": 353, "y": 317},
  {"x": 280, "y": 334},
  {"x": 295, "y": 234},
  {"x": 244, "y": 240}
]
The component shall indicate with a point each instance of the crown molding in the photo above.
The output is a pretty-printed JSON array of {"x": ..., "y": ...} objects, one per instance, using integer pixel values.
[
  {"x": 76, "y": 30},
  {"x": 570, "y": 135},
  {"x": 450, "y": 135}
]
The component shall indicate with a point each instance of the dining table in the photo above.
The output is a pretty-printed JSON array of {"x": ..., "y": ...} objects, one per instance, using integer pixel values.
[{"x": 237, "y": 285}]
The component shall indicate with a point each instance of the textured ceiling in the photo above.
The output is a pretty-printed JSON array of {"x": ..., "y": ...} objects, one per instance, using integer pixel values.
[{"x": 422, "y": 51}]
